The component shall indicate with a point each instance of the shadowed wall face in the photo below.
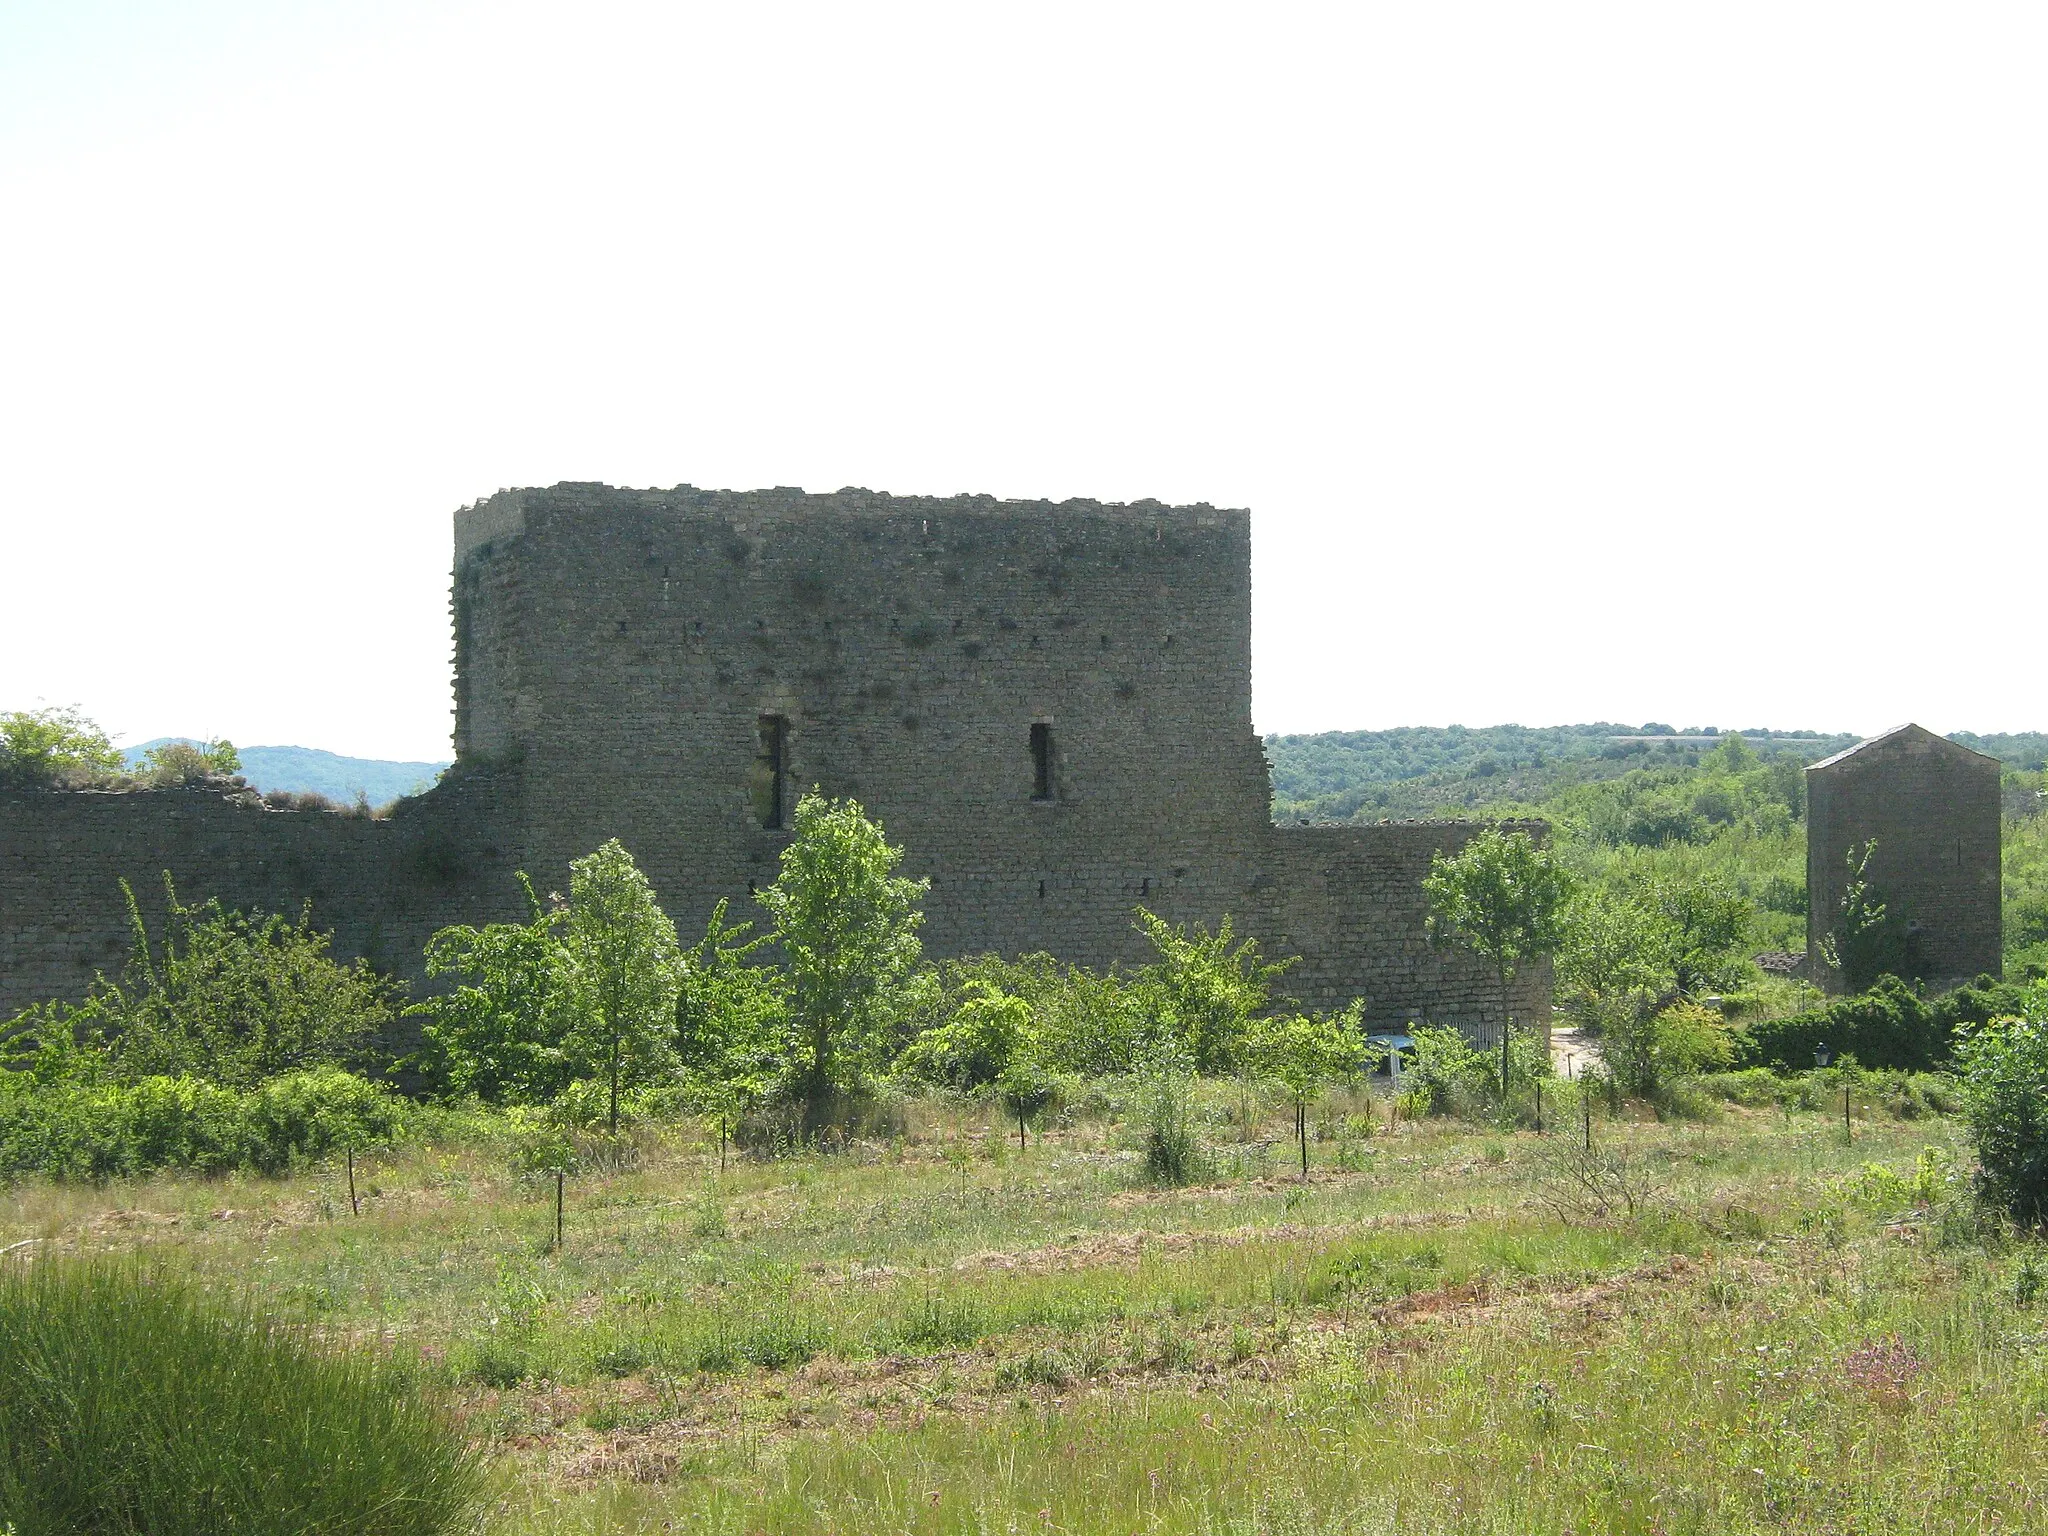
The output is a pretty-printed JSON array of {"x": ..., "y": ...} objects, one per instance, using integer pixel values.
[{"x": 1932, "y": 809}]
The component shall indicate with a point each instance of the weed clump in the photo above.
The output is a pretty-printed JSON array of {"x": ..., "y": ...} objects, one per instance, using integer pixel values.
[{"x": 1169, "y": 1143}]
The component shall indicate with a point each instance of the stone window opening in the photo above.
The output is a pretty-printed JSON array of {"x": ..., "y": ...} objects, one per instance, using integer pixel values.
[
  {"x": 771, "y": 773},
  {"x": 1041, "y": 761}
]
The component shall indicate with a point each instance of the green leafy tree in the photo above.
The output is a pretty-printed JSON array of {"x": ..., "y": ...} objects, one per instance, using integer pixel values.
[
  {"x": 1305, "y": 1053},
  {"x": 1205, "y": 991},
  {"x": 1700, "y": 924},
  {"x": 1025, "y": 1089},
  {"x": 44, "y": 748},
  {"x": 1612, "y": 954},
  {"x": 1869, "y": 942},
  {"x": 622, "y": 966},
  {"x": 184, "y": 762},
  {"x": 1502, "y": 897},
  {"x": 847, "y": 925},
  {"x": 731, "y": 1016},
  {"x": 498, "y": 1034}
]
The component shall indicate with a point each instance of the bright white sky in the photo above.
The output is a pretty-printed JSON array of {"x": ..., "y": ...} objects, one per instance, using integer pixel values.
[{"x": 1577, "y": 361}]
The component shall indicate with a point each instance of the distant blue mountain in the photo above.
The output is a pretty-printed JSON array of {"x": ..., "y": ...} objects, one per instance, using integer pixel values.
[{"x": 308, "y": 770}]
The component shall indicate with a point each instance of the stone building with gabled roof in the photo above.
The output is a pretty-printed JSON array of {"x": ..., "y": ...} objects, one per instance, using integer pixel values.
[{"x": 1927, "y": 812}]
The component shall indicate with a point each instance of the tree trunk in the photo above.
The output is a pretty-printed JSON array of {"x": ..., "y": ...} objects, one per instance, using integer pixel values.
[
  {"x": 817, "y": 1082},
  {"x": 614, "y": 1119},
  {"x": 1506, "y": 1028},
  {"x": 1301, "y": 1131}
]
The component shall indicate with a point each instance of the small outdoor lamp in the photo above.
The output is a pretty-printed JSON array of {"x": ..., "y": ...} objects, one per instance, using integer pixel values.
[{"x": 1820, "y": 1055}]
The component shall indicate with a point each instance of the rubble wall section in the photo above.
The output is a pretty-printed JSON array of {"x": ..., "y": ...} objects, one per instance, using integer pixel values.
[{"x": 381, "y": 886}]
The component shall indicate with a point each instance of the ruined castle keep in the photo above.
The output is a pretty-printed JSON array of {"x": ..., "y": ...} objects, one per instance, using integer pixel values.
[
  {"x": 1048, "y": 705},
  {"x": 1927, "y": 810}
]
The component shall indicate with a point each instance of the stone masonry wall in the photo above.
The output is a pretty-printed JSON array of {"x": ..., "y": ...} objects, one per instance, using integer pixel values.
[
  {"x": 381, "y": 886},
  {"x": 1932, "y": 808},
  {"x": 1348, "y": 900}
]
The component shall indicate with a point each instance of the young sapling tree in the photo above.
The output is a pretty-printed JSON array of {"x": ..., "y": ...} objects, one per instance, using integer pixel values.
[
  {"x": 623, "y": 964},
  {"x": 1304, "y": 1054},
  {"x": 1502, "y": 897},
  {"x": 847, "y": 924}
]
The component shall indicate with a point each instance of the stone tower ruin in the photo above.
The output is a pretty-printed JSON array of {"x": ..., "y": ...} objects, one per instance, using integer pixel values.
[{"x": 1927, "y": 811}]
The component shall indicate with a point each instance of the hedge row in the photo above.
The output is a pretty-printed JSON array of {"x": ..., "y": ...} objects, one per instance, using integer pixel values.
[
  {"x": 104, "y": 1130},
  {"x": 1890, "y": 1026}
]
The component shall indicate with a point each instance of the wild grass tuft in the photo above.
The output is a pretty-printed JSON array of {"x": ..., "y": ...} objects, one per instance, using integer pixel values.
[{"x": 136, "y": 1403}]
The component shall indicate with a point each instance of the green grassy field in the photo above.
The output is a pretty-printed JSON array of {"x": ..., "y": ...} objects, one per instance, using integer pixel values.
[{"x": 941, "y": 1333}]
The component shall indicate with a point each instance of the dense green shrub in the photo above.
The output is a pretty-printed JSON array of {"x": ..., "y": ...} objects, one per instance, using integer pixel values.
[
  {"x": 2004, "y": 1069},
  {"x": 135, "y": 1404},
  {"x": 1450, "y": 1076},
  {"x": 177, "y": 763},
  {"x": 1204, "y": 989},
  {"x": 1647, "y": 1049},
  {"x": 1086, "y": 1023},
  {"x": 231, "y": 997},
  {"x": 101, "y": 1130},
  {"x": 975, "y": 1046},
  {"x": 1891, "y": 1025},
  {"x": 310, "y": 1115}
]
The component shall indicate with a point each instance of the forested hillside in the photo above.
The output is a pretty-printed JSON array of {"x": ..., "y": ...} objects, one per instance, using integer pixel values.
[
  {"x": 1438, "y": 771},
  {"x": 1630, "y": 803}
]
